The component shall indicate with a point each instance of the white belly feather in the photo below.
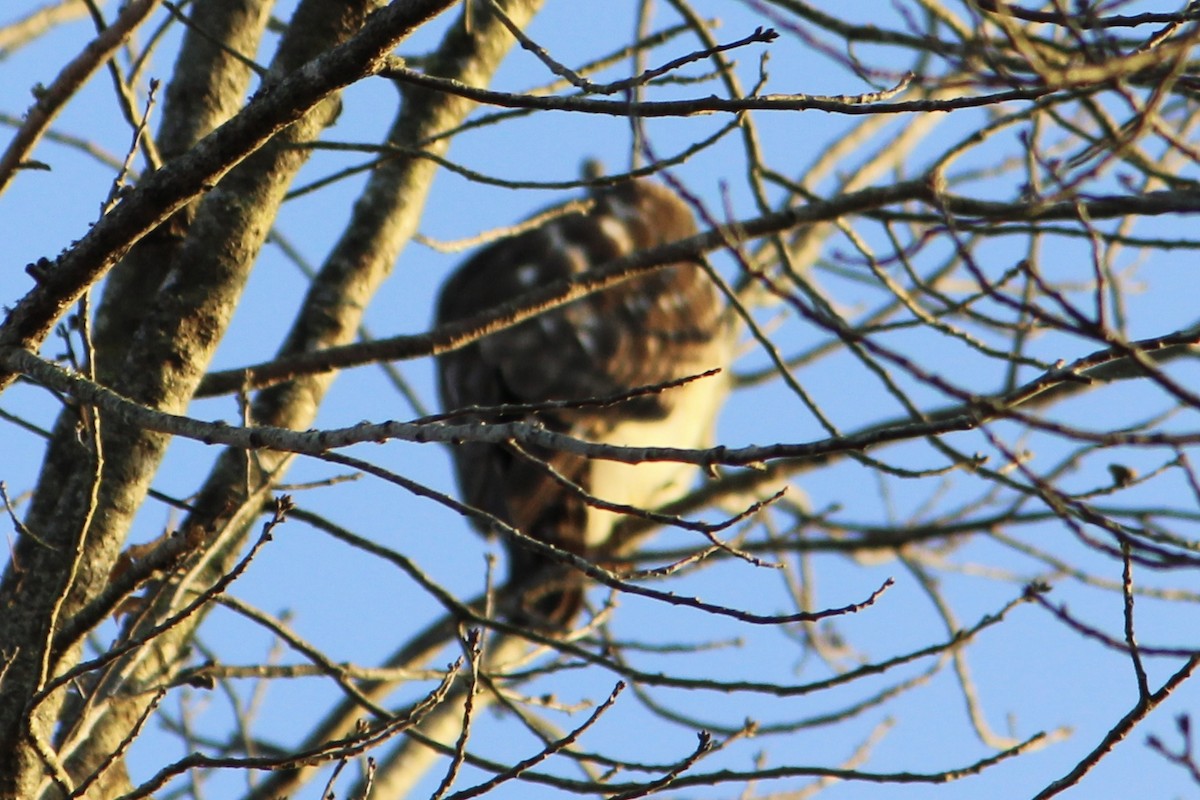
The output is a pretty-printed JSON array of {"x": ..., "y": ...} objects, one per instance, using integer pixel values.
[{"x": 652, "y": 484}]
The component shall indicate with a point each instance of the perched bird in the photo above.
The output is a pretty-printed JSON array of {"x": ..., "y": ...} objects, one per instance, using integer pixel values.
[{"x": 665, "y": 325}]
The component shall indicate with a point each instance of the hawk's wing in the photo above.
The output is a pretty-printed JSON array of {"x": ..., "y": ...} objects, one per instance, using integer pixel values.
[{"x": 650, "y": 330}]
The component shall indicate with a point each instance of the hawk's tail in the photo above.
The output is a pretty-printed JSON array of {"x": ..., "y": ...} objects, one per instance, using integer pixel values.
[{"x": 546, "y": 592}]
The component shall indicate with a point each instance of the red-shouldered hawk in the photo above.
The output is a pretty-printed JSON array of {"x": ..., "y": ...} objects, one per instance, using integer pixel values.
[{"x": 665, "y": 325}]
